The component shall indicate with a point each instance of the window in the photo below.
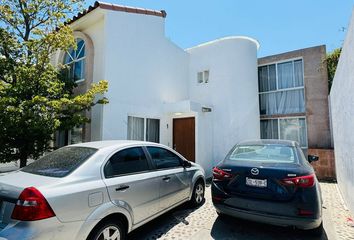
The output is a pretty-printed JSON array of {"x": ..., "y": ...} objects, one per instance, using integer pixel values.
[
  {"x": 293, "y": 129},
  {"x": 263, "y": 153},
  {"x": 200, "y": 77},
  {"x": 206, "y": 76},
  {"x": 164, "y": 158},
  {"x": 75, "y": 60},
  {"x": 76, "y": 135},
  {"x": 203, "y": 77},
  {"x": 285, "y": 128},
  {"x": 61, "y": 162},
  {"x": 132, "y": 160},
  {"x": 269, "y": 129},
  {"x": 267, "y": 78},
  {"x": 137, "y": 130},
  {"x": 152, "y": 130},
  {"x": 281, "y": 88},
  {"x": 67, "y": 137}
]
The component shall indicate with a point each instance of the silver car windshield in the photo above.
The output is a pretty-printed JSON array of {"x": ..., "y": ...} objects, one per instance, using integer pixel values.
[
  {"x": 263, "y": 153},
  {"x": 61, "y": 162}
]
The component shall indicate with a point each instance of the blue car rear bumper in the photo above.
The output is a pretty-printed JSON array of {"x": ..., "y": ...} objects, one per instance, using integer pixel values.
[{"x": 301, "y": 223}]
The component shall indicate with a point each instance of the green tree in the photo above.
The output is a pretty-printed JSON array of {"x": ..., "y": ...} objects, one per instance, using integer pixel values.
[
  {"x": 332, "y": 59},
  {"x": 36, "y": 98}
]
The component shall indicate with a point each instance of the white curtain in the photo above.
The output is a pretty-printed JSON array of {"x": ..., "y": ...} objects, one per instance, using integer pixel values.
[
  {"x": 135, "y": 128},
  {"x": 269, "y": 129},
  {"x": 268, "y": 103},
  {"x": 291, "y": 101},
  {"x": 298, "y": 73},
  {"x": 285, "y": 75},
  {"x": 284, "y": 102},
  {"x": 153, "y": 130}
]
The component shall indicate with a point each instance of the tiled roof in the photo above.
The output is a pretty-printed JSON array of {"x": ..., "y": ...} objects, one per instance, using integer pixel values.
[{"x": 120, "y": 8}]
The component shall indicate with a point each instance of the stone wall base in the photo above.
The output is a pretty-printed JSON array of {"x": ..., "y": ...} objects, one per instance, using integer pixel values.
[{"x": 325, "y": 167}]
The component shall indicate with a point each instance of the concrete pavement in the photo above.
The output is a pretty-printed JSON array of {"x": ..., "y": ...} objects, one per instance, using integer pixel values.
[{"x": 203, "y": 223}]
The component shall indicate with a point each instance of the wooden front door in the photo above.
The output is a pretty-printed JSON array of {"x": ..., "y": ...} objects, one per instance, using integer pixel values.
[{"x": 184, "y": 137}]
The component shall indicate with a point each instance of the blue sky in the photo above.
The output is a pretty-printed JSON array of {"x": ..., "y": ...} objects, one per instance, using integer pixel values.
[{"x": 279, "y": 25}]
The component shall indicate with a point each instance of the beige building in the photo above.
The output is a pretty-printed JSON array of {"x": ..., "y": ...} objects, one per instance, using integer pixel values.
[{"x": 293, "y": 99}]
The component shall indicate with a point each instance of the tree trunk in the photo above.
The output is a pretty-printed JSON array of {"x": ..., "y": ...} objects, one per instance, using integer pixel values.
[{"x": 23, "y": 160}]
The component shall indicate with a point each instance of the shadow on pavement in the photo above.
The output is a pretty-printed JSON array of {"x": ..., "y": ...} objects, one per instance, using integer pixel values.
[
  {"x": 161, "y": 225},
  {"x": 231, "y": 228}
]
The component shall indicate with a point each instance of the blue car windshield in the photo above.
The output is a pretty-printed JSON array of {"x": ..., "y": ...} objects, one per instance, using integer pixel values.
[{"x": 263, "y": 153}]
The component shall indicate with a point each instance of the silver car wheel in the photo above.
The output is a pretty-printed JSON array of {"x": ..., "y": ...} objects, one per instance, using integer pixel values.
[
  {"x": 109, "y": 233},
  {"x": 199, "y": 193}
]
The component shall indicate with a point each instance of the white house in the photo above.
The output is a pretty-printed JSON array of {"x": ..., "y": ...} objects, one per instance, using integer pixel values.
[
  {"x": 200, "y": 101},
  {"x": 342, "y": 112}
]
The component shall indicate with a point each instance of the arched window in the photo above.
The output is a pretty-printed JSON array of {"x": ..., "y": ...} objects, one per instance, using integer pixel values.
[{"x": 75, "y": 60}]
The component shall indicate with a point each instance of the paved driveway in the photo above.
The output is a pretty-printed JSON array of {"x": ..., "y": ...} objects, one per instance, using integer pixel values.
[{"x": 203, "y": 223}]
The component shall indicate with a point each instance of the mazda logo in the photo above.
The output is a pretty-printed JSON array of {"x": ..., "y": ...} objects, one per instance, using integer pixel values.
[{"x": 254, "y": 171}]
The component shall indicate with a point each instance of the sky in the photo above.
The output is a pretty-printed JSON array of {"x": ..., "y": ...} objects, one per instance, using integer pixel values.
[{"x": 278, "y": 25}]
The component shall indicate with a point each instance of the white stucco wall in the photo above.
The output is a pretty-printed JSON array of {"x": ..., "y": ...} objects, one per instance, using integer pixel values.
[
  {"x": 342, "y": 113},
  {"x": 144, "y": 70},
  {"x": 232, "y": 93},
  {"x": 96, "y": 33},
  {"x": 150, "y": 77}
]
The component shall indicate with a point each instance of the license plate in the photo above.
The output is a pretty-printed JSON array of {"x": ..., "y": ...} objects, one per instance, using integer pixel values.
[{"x": 261, "y": 183}]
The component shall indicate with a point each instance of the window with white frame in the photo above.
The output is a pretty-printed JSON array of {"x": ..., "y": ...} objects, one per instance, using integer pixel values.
[
  {"x": 281, "y": 88},
  {"x": 75, "y": 60},
  {"x": 203, "y": 76},
  {"x": 143, "y": 129},
  {"x": 285, "y": 128}
]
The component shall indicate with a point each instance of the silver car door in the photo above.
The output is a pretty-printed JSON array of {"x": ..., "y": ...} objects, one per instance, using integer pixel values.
[
  {"x": 174, "y": 179},
  {"x": 131, "y": 184}
]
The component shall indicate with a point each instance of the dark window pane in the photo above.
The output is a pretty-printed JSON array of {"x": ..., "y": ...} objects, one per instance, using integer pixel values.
[
  {"x": 272, "y": 79},
  {"x": 269, "y": 129},
  {"x": 80, "y": 49},
  {"x": 299, "y": 74},
  {"x": 164, "y": 158},
  {"x": 153, "y": 130},
  {"x": 263, "y": 79},
  {"x": 60, "y": 162},
  {"x": 130, "y": 160},
  {"x": 79, "y": 70},
  {"x": 67, "y": 58}
]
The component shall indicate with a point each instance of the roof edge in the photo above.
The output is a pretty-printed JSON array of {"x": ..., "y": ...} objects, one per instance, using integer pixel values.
[
  {"x": 119, "y": 8},
  {"x": 225, "y": 38}
]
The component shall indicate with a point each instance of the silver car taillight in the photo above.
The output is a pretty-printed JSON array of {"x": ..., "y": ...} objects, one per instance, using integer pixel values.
[{"x": 31, "y": 206}]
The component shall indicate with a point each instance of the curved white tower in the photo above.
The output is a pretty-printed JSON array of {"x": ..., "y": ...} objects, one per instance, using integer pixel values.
[{"x": 231, "y": 91}]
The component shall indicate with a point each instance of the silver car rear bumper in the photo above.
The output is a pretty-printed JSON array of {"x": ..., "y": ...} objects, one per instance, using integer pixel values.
[
  {"x": 47, "y": 229},
  {"x": 300, "y": 223}
]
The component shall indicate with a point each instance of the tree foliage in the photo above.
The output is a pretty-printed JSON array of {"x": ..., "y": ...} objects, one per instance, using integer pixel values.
[
  {"x": 36, "y": 97},
  {"x": 332, "y": 59}
]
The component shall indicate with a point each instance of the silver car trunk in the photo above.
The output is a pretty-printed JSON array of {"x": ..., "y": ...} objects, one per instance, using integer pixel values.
[{"x": 11, "y": 186}]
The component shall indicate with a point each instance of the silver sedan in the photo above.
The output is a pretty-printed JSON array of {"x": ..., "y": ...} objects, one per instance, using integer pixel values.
[{"x": 97, "y": 190}]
